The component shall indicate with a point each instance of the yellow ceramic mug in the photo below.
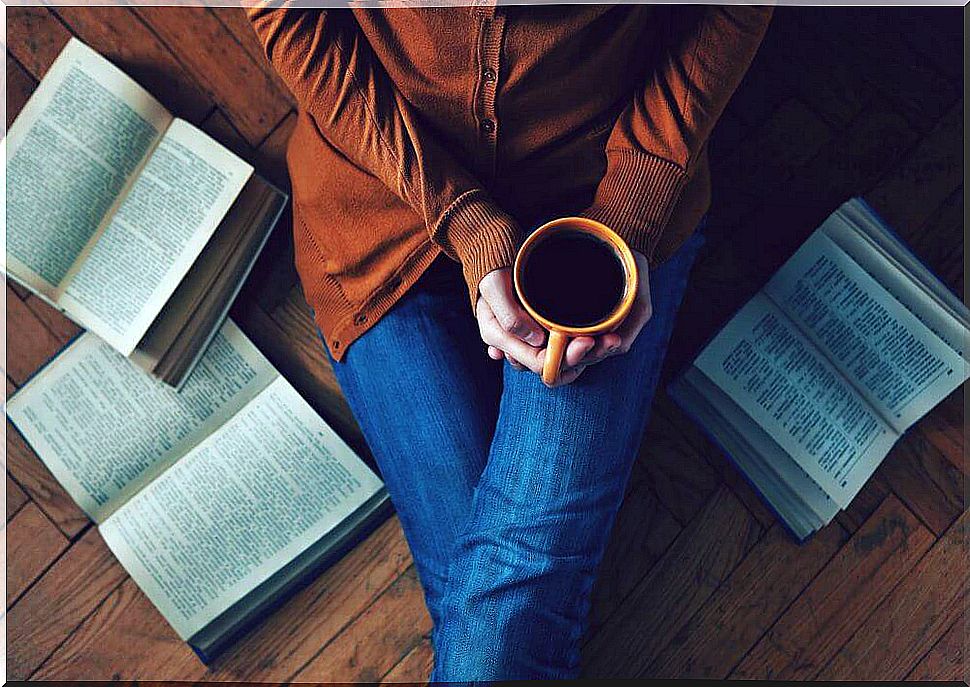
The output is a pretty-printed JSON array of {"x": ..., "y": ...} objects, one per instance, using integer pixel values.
[{"x": 559, "y": 332}]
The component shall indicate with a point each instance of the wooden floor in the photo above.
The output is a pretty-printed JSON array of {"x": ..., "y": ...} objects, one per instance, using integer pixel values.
[{"x": 700, "y": 579}]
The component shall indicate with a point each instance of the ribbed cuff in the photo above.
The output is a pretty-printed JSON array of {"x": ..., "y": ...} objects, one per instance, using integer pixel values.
[
  {"x": 480, "y": 235},
  {"x": 636, "y": 198}
]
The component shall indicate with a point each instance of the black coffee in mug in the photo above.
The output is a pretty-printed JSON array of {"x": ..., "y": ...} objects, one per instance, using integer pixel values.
[{"x": 573, "y": 278}]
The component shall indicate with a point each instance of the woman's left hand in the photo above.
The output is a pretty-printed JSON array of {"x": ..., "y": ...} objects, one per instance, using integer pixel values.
[{"x": 584, "y": 351}]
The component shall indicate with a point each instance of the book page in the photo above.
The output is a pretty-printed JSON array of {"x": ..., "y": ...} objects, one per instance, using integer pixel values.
[
  {"x": 158, "y": 230},
  {"x": 104, "y": 428},
  {"x": 783, "y": 383},
  {"x": 895, "y": 361},
  {"x": 865, "y": 238},
  {"x": 244, "y": 503},
  {"x": 76, "y": 144}
]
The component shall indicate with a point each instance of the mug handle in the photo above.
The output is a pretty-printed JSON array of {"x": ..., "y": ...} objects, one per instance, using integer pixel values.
[{"x": 554, "y": 352}]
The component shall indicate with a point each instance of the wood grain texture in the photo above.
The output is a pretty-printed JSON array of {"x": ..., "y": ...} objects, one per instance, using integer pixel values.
[
  {"x": 41, "y": 486},
  {"x": 818, "y": 76},
  {"x": 750, "y": 170},
  {"x": 940, "y": 241},
  {"x": 236, "y": 22},
  {"x": 118, "y": 34},
  {"x": 62, "y": 328},
  {"x": 287, "y": 640},
  {"x": 927, "y": 482},
  {"x": 24, "y": 360},
  {"x": 643, "y": 531},
  {"x": 715, "y": 457},
  {"x": 701, "y": 558},
  {"x": 915, "y": 614},
  {"x": 376, "y": 640},
  {"x": 415, "y": 668},
  {"x": 749, "y": 601},
  {"x": 57, "y": 604},
  {"x": 917, "y": 89},
  {"x": 673, "y": 467},
  {"x": 943, "y": 428},
  {"x": 16, "y": 498},
  {"x": 20, "y": 86},
  {"x": 126, "y": 638},
  {"x": 947, "y": 660},
  {"x": 865, "y": 503},
  {"x": 33, "y": 544},
  {"x": 35, "y": 37},
  {"x": 934, "y": 166},
  {"x": 838, "y": 601},
  {"x": 219, "y": 65}
]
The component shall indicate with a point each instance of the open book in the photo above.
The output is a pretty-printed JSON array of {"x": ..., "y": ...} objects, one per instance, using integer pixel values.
[
  {"x": 133, "y": 223},
  {"x": 218, "y": 499},
  {"x": 816, "y": 377}
]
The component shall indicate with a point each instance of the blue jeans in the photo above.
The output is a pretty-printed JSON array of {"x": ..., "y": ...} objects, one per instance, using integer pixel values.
[{"x": 507, "y": 490}]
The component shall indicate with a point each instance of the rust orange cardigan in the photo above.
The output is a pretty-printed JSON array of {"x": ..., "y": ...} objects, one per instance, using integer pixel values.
[{"x": 456, "y": 130}]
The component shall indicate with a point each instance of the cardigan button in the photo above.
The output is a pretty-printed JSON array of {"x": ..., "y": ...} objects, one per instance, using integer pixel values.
[
  {"x": 335, "y": 344},
  {"x": 360, "y": 319},
  {"x": 489, "y": 75},
  {"x": 488, "y": 126}
]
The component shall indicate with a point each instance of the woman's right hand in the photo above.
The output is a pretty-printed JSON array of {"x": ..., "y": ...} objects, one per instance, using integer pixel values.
[
  {"x": 505, "y": 327},
  {"x": 511, "y": 333}
]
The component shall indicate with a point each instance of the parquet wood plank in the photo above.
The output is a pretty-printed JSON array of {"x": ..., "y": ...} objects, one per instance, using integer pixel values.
[
  {"x": 916, "y": 89},
  {"x": 819, "y": 77},
  {"x": 33, "y": 543},
  {"x": 850, "y": 164},
  {"x": 35, "y": 37},
  {"x": 680, "y": 477},
  {"x": 838, "y": 601},
  {"x": 376, "y": 640},
  {"x": 934, "y": 32},
  {"x": 926, "y": 481},
  {"x": 217, "y": 125},
  {"x": 643, "y": 531},
  {"x": 715, "y": 457},
  {"x": 940, "y": 241},
  {"x": 235, "y": 21},
  {"x": 768, "y": 157},
  {"x": 20, "y": 86},
  {"x": 58, "y": 324},
  {"x": 910, "y": 193},
  {"x": 913, "y": 616},
  {"x": 219, "y": 65},
  {"x": 944, "y": 428},
  {"x": 947, "y": 660},
  {"x": 126, "y": 638},
  {"x": 865, "y": 503},
  {"x": 415, "y": 668},
  {"x": 700, "y": 559},
  {"x": 31, "y": 344},
  {"x": 289, "y": 638},
  {"x": 16, "y": 498},
  {"x": 768, "y": 579},
  {"x": 57, "y": 604},
  {"x": 41, "y": 486}
]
